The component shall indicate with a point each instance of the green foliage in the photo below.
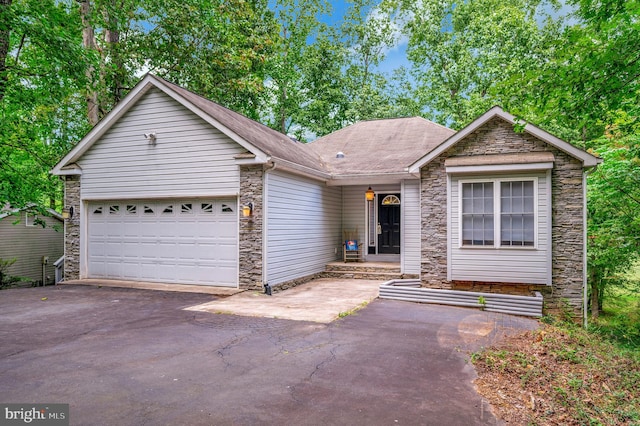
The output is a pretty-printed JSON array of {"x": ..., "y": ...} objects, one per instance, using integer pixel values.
[
  {"x": 465, "y": 60},
  {"x": 5, "y": 279},
  {"x": 614, "y": 215},
  {"x": 40, "y": 106}
]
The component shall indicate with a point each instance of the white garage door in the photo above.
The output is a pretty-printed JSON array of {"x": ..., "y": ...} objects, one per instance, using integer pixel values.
[{"x": 186, "y": 241}]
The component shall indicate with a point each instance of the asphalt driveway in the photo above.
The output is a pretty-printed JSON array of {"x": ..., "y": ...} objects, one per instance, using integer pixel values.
[{"x": 134, "y": 357}]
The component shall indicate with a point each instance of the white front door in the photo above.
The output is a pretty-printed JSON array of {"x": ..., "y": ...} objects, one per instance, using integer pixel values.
[{"x": 171, "y": 241}]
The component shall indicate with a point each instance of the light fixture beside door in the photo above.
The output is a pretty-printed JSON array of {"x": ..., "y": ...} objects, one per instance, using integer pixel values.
[{"x": 370, "y": 194}]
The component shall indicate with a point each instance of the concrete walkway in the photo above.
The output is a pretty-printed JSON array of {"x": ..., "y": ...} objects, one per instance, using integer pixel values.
[{"x": 321, "y": 300}]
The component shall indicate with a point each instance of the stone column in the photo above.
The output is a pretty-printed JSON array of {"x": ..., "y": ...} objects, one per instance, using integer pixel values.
[
  {"x": 72, "y": 228},
  {"x": 568, "y": 240},
  {"x": 250, "y": 243},
  {"x": 433, "y": 210}
]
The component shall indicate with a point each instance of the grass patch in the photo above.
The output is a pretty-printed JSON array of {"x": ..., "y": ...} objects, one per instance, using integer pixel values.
[
  {"x": 352, "y": 311},
  {"x": 563, "y": 374}
]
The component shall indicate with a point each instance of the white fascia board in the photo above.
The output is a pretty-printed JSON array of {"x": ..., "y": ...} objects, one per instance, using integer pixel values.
[
  {"x": 587, "y": 159},
  {"x": 260, "y": 155},
  {"x": 500, "y": 168},
  {"x": 370, "y": 179},
  {"x": 103, "y": 125},
  {"x": 70, "y": 170},
  {"x": 162, "y": 196},
  {"x": 291, "y": 167},
  {"x": 250, "y": 161}
]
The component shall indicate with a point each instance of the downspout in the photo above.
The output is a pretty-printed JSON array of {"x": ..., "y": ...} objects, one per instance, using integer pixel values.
[{"x": 265, "y": 256}]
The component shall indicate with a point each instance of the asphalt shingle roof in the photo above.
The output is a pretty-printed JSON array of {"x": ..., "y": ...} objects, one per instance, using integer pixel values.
[{"x": 379, "y": 146}]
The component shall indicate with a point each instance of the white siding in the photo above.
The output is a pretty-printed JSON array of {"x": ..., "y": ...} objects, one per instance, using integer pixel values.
[
  {"x": 303, "y": 226},
  {"x": 190, "y": 157},
  {"x": 509, "y": 265},
  {"x": 29, "y": 243},
  {"x": 354, "y": 214},
  {"x": 411, "y": 226}
]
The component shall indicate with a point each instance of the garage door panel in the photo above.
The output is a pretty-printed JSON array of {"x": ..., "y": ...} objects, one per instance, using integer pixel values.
[{"x": 189, "y": 241}]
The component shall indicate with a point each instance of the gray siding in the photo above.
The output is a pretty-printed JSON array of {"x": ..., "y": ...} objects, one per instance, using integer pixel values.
[
  {"x": 303, "y": 226},
  {"x": 28, "y": 244},
  {"x": 190, "y": 157},
  {"x": 411, "y": 226},
  {"x": 509, "y": 265}
]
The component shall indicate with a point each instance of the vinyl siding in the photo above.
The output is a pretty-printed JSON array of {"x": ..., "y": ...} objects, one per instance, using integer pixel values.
[
  {"x": 354, "y": 211},
  {"x": 303, "y": 226},
  {"x": 509, "y": 265},
  {"x": 190, "y": 158},
  {"x": 28, "y": 244},
  {"x": 411, "y": 226}
]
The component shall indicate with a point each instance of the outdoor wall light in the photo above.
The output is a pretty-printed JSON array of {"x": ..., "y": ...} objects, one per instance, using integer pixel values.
[
  {"x": 151, "y": 137},
  {"x": 67, "y": 213},
  {"x": 370, "y": 194},
  {"x": 247, "y": 210}
]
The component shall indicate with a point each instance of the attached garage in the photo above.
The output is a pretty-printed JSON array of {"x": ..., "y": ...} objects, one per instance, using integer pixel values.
[{"x": 191, "y": 241}]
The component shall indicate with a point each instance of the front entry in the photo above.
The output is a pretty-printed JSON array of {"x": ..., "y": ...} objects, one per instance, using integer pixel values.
[{"x": 389, "y": 224}]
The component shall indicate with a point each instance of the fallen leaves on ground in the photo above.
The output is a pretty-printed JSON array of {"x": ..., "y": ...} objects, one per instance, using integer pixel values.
[{"x": 560, "y": 376}]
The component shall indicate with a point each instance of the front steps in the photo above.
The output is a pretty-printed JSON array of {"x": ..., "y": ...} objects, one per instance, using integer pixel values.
[{"x": 383, "y": 271}]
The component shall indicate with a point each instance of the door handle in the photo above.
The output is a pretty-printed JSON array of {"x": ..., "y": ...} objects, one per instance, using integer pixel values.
[{"x": 379, "y": 229}]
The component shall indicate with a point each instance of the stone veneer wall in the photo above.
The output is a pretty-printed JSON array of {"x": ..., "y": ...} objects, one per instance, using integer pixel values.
[
  {"x": 250, "y": 244},
  {"x": 498, "y": 137},
  {"x": 72, "y": 228}
]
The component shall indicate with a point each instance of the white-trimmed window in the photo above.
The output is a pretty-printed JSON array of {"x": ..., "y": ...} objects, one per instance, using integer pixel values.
[
  {"x": 30, "y": 219},
  {"x": 498, "y": 213},
  {"x": 477, "y": 214},
  {"x": 517, "y": 213}
]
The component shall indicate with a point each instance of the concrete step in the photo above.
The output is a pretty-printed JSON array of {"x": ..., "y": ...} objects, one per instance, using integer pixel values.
[
  {"x": 392, "y": 268},
  {"x": 366, "y": 275}
]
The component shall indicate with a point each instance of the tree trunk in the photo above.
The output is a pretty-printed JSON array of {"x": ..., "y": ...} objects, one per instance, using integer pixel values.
[
  {"x": 595, "y": 296},
  {"x": 89, "y": 42},
  {"x": 112, "y": 41},
  {"x": 5, "y": 33}
]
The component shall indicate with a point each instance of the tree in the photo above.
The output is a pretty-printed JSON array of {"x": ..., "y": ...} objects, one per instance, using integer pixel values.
[
  {"x": 299, "y": 37},
  {"x": 590, "y": 87},
  {"x": 466, "y": 55},
  {"x": 368, "y": 33},
  {"x": 614, "y": 217},
  {"x": 41, "y": 71}
]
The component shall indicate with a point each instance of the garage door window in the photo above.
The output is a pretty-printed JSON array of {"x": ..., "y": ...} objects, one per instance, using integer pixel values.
[
  {"x": 168, "y": 209},
  {"x": 207, "y": 207},
  {"x": 115, "y": 209},
  {"x": 132, "y": 209},
  {"x": 97, "y": 211},
  {"x": 148, "y": 210},
  {"x": 186, "y": 208},
  {"x": 226, "y": 208}
]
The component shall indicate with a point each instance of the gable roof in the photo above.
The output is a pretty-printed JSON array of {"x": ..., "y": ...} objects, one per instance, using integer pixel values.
[
  {"x": 587, "y": 159},
  {"x": 265, "y": 143},
  {"x": 11, "y": 212},
  {"x": 379, "y": 146}
]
